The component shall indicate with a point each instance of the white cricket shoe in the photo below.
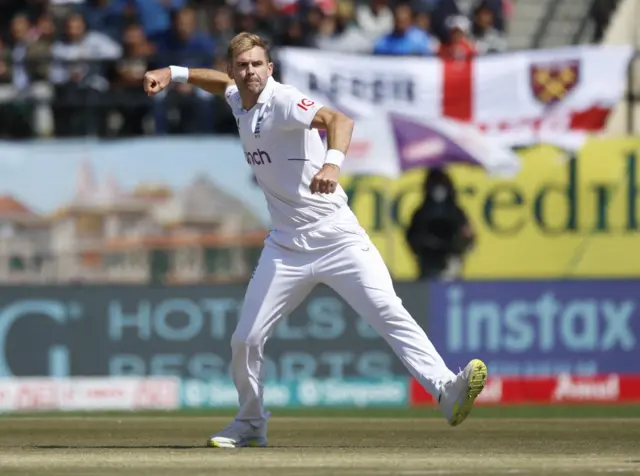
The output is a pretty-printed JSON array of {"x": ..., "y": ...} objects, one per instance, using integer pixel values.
[
  {"x": 458, "y": 395},
  {"x": 239, "y": 434}
]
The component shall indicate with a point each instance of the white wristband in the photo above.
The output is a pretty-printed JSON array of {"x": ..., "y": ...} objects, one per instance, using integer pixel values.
[
  {"x": 334, "y": 157},
  {"x": 179, "y": 74}
]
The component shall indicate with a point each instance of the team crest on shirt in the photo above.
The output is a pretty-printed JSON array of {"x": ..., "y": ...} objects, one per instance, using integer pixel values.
[
  {"x": 262, "y": 116},
  {"x": 256, "y": 132},
  {"x": 552, "y": 82}
]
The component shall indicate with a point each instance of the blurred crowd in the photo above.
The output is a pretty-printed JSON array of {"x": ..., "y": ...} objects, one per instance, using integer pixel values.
[{"x": 92, "y": 54}]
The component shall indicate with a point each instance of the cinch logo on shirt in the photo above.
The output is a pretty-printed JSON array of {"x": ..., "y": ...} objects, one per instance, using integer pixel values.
[{"x": 259, "y": 157}]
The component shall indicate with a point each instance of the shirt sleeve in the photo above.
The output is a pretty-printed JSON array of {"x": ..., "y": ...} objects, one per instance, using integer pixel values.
[
  {"x": 230, "y": 93},
  {"x": 298, "y": 110}
]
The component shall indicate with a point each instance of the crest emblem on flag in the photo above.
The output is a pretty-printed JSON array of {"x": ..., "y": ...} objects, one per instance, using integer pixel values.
[{"x": 552, "y": 82}]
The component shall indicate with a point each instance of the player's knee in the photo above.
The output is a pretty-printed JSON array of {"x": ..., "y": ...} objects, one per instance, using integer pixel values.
[
  {"x": 387, "y": 306},
  {"x": 244, "y": 340}
]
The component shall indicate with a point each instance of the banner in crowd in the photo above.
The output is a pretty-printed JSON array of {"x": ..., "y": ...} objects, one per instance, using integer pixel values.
[
  {"x": 394, "y": 143},
  {"x": 558, "y": 390},
  {"x": 68, "y": 394},
  {"x": 518, "y": 99},
  {"x": 185, "y": 331},
  {"x": 544, "y": 328},
  {"x": 559, "y": 217}
]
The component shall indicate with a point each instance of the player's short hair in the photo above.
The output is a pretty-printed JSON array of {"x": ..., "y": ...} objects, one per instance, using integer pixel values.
[{"x": 246, "y": 41}]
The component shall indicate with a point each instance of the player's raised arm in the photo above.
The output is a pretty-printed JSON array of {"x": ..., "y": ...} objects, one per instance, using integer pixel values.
[
  {"x": 211, "y": 80},
  {"x": 301, "y": 112},
  {"x": 339, "y": 129}
]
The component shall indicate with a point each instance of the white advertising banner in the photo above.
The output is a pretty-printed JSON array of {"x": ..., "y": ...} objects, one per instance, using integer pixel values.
[{"x": 48, "y": 394}]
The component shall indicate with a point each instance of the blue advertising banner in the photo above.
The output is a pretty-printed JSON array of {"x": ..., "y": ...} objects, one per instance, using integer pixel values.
[
  {"x": 538, "y": 327},
  {"x": 185, "y": 331}
]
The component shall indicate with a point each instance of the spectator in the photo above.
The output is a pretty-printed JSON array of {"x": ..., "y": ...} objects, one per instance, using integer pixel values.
[
  {"x": 185, "y": 44},
  {"x": 106, "y": 16},
  {"x": 132, "y": 103},
  {"x": 246, "y": 21},
  {"x": 184, "y": 109},
  {"x": 9, "y": 8},
  {"x": 42, "y": 37},
  {"x": 601, "y": 12},
  {"x": 79, "y": 83},
  {"x": 222, "y": 30},
  {"x": 314, "y": 18},
  {"x": 78, "y": 72},
  {"x": 375, "y": 18},
  {"x": 508, "y": 10},
  {"x": 423, "y": 22},
  {"x": 20, "y": 39},
  {"x": 294, "y": 34},
  {"x": 406, "y": 38},
  {"x": 440, "y": 233},
  {"x": 223, "y": 121},
  {"x": 440, "y": 11},
  {"x": 459, "y": 47},
  {"x": 426, "y": 5},
  {"x": 21, "y": 107},
  {"x": 7, "y": 124},
  {"x": 341, "y": 33},
  {"x": 31, "y": 49},
  {"x": 155, "y": 16},
  {"x": 486, "y": 37},
  {"x": 6, "y": 64},
  {"x": 327, "y": 36},
  {"x": 293, "y": 7},
  {"x": 498, "y": 9},
  {"x": 266, "y": 18}
]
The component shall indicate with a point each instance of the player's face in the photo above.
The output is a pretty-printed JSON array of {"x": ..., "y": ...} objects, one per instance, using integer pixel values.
[{"x": 251, "y": 70}]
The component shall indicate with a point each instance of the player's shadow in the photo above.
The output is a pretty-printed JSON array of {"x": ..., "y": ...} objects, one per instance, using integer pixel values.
[
  {"x": 116, "y": 447},
  {"x": 157, "y": 447}
]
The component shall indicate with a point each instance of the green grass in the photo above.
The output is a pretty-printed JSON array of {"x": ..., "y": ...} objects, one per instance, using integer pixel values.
[{"x": 175, "y": 446}]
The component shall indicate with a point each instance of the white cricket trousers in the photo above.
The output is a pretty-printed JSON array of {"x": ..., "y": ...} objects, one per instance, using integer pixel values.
[{"x": 337, "y": 252}]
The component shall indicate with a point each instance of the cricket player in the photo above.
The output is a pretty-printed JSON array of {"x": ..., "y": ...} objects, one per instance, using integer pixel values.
[{"x": 315, "y": 237}]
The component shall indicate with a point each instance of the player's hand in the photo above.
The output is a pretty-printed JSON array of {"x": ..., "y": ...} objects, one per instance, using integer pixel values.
[
  {"x": 326, "y": 180},
  {"x": 156, "y": 80}
]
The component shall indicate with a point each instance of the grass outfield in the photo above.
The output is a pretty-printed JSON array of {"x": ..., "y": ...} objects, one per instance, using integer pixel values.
[
  {"x": 515, "y": 411},
  {"x": 493, "y": 441}
]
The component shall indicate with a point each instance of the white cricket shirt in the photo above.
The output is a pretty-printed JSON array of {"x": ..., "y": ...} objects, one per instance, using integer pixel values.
[{"x": 285, "y": 153}]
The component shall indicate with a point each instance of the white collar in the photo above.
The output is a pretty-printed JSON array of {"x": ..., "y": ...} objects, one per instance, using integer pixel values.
[
  {"x": 263, "y": 102},
  {"x": 266, "y": 93}
]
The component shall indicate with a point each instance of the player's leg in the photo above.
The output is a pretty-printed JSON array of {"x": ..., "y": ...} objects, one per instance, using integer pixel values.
[
  {"x": 280, "y": 283},
  {"x": 277, "y": 288},
  {"x": 359, "y": 274}
]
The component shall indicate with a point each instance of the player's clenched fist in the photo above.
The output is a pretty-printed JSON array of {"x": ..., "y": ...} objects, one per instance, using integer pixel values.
[
  {"x": 326, "y": 180},
  {"x": 156, "y": 80}
]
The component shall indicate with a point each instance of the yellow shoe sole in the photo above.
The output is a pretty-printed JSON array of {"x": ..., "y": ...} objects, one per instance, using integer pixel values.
[
  {"x": 249, "y": 444},
  {"x": 476, "y": 384},
  {"x": 215, "y": 444}
]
